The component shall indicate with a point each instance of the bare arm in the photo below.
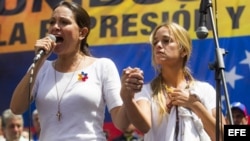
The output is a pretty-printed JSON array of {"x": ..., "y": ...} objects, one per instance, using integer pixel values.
[
  {"x": 119, "y": 118},
  {"x": 22, "y": 96},
  {"x": 208, "y": 120},
  {"x": 138, "y": 113}
]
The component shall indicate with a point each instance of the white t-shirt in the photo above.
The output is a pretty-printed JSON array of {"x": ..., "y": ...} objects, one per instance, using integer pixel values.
[
  {"x": 82, "y": 104},
  {"x": 188, "y": 131},
  {"x": 20, "y": 139},
  {"x": 2, "y": 138}
]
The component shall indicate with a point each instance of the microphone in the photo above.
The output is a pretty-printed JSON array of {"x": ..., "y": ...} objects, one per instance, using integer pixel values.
[
  {"x": 202, "y": 31},
  {"x": 41, "y": 52}
]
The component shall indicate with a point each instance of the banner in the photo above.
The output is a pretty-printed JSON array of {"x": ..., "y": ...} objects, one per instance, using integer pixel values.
[{"x": 22, "y": 22}]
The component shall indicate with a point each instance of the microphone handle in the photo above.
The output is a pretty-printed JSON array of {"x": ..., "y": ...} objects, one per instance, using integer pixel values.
[{"x": 41, "y": 52}]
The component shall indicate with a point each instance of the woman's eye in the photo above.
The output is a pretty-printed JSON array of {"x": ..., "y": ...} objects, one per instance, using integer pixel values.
[
  {"x": 155, "y": 42},
  {"x": 166, "y": 41},
  {"x": 163, "y": 41},
  {"x": 51, "y": 22},
  {"x": 64, "y": 22}
]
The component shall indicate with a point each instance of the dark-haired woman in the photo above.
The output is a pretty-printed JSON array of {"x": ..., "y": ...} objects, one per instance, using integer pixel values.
[{"x": 72, "y": 91}]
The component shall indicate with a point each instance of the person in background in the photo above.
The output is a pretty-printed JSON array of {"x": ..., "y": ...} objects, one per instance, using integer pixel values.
[
  {"x": 128, "y": 135},
  {"x": 12, "y": 126},
  {"x": 239, "y": 114},
  {"x": 174, "y": 105},
  {"x": 36, "y": 125},
  {"x": 1, "y": 131},
  {"x": 71, "y": 91}
]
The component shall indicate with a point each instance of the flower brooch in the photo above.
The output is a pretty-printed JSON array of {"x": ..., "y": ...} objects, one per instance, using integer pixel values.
[{"x": 82, "y": 76}]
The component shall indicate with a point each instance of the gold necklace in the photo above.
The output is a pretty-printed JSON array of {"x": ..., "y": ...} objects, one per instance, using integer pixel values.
[{"x": 59, "y": 113}]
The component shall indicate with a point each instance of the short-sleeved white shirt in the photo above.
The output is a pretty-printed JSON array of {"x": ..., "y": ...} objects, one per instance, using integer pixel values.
[
  {"x": 160, "y": 131},
  {"x": 82, "y": 104}
]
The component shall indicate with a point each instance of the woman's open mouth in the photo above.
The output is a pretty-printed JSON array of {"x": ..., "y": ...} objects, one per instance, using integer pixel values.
[{"x": 59, "y": 39}]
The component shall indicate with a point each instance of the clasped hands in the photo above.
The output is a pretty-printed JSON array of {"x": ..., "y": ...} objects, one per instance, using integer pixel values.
[{"x": 132, "y": 79}]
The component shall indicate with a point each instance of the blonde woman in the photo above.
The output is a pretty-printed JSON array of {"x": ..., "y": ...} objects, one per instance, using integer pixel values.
[{"x": 174, "y": 106}]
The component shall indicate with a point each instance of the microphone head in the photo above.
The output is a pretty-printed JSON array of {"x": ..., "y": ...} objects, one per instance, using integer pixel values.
[
  {"x": 52, "y": 37},
  {"x": 202, "y": 32}
]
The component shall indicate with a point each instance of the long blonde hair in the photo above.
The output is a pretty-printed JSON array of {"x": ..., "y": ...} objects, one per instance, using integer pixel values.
[{"x": 182, "y": 37}]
